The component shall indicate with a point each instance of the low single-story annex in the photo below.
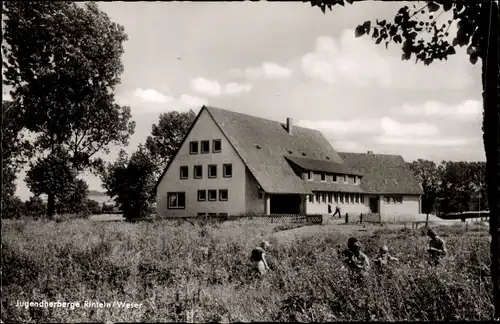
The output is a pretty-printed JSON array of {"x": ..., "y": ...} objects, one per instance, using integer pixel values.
[{"x": 231, "y": 163}]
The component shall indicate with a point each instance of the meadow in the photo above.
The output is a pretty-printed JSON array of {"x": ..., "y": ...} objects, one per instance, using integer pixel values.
[{"x": 161, "y": 266}]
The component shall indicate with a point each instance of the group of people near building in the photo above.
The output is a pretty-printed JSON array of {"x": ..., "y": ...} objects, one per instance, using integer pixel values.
[{"x": 354, "y": 259}]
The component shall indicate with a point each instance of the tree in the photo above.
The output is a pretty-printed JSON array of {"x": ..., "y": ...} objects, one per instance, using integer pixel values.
[
  {"x": 35, "y": 207},
  {"x": 54, "y": 176},
  {"x": 130, "y": 183},
  {"x": 63, "y": 62},
  {"x": 15, "y": 150},
  {"x": 456, "y": 187},
  {"x": 166, "y": 137},
  {"x": 478, "y": 29},
  {"x": 93, "y": 207},
  {"x": 427, "y": 175}
]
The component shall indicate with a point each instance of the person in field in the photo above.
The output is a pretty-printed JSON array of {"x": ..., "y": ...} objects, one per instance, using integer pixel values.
[
  {"x": 258, "y": 258},
  {"x": 337, "y": 211},
  {"x": 383, "y": 258},
  {"x": 437, "y": 247},
  {"x": 354, "y": 259}
]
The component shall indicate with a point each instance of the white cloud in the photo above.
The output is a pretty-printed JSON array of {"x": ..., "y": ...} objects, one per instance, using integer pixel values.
[
  {"x": 151, "y": 95},
  {"x": 267, "y": 70},
  {"x": 152, "y": 101},
  {"x": 213, "y": 88},
  {"x": 236, "y": 88},
  {"x": 465, "y": 110},
  {"x": 419, "y": 141},
  {"x": 383, "y": 126},
  {"x": 391, "y": 127},
  {"x": 357, "y": 126},
  {"x": 193, "y": 101},
  {"x": 361, "y": 62}
]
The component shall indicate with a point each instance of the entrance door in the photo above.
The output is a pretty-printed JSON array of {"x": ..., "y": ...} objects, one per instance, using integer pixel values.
[
  {"x": 285, "y": 204},
  {"x": 374, "y": 205}
]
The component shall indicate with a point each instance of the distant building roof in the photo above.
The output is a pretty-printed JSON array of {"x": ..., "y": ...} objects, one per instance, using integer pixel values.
[{"x": 383, "y": 173}]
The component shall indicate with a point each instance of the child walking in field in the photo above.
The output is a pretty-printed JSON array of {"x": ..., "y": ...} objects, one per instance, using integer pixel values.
[
  {"x": 436, "y": 249},
  {"x": 383, "y": 258},
  {"x": 258, "y": 258}
]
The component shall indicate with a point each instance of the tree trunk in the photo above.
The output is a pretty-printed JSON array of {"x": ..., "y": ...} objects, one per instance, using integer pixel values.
[
  {"x": 491, "y": 134},
  {"x": 51, "y": 205}
]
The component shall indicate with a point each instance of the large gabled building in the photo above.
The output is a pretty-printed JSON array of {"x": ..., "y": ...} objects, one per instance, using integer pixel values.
[{"x": 233, "y": 163}]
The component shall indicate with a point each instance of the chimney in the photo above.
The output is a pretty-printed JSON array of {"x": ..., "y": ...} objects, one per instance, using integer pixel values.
[
  {"x": 289, "y": 125},
  {"x": 369, "y": 152}
]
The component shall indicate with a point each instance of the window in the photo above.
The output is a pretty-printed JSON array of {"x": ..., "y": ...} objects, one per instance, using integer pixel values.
[
  {"x": 352, "y": 198},
  {"x": 336, "y": 197},
  {"x": 198, "y": 171},
  {"x": 355, "y": 180},
  {"x": 222, "y": 214},
  {"x": 345, "y": 179},
  {"x": 205, "y": 147},
  {"x": 398, "y": 199},
  {"x": 330, "y": 197},
  {"x": 212, "y": 214},
  {"x": 357, "y": 198},
  {"x": 323, "y": 177},
  {"x": 202, "y": 195},
  {"x": 193, "y": 147},
  {"x": 184, "y": 170},
  {"x": 227, "y": 170},
  {"x": 310, "y": 175},
  {"x": 346, "y": 198},
  {"x": 176, "y": 200},
  {"x": 341, "y": 198},
  {"x": 334, "y": 178},
  {"x": 212, "y": 195},
  {"x": 311, "y": 197},
  {"x": 212, "y": 171},
  {"x": 387, "y": 199},
  {"x": 223, "y": 194},
  {"x": 202, "y": 214},
  {"x": 317, "y": 197},
  {"x": 323, "y": 197},
  {"x": 216, "y": 145},
  {"x": 362, "y": 199}
]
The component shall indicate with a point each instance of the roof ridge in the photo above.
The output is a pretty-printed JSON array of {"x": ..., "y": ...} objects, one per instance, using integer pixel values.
[{"x": 257, "y": 117}]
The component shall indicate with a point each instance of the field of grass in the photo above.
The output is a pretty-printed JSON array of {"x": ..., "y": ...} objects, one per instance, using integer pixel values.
[{"x": 160, "y": 266}]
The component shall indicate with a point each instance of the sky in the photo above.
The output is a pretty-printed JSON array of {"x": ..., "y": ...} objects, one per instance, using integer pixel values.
[{"x": 279, "y": 60}]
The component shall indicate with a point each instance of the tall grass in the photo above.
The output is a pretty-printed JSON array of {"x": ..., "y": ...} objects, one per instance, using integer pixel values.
[{"x": 161, "y": 266}]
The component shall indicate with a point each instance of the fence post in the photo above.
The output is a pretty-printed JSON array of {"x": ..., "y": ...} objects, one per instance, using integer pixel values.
[
  {"x": 346, "y": 218},
  {"x": 361, "y": 218}
]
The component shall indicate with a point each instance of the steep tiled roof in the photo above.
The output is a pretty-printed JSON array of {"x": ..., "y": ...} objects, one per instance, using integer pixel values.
[
  {"x": 322, "y": 165},
  {"x": 383, "y": 174},
  {"x": 263, "y": 144}
]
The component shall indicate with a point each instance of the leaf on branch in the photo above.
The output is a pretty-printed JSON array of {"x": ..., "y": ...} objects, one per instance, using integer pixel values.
[
  {"x": 397, "y": 39},
  {"x": 447, "y": 6},
  {"x": 433, "y": 7},
  {"x": 367, "y": 26},
  {"x": 473, "y": 58},
  {"x": 428, "y": 61},
  {"x": 455, "y": 41},
  {"x": 379, "y": 40},
  {"x": 405, "y": 56},
  {"x": 360, "y": 31},
  {"x": 375, "y": 33},
  {"x": 451, "y": 51},
  {"x": 349, "y": 1}
]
